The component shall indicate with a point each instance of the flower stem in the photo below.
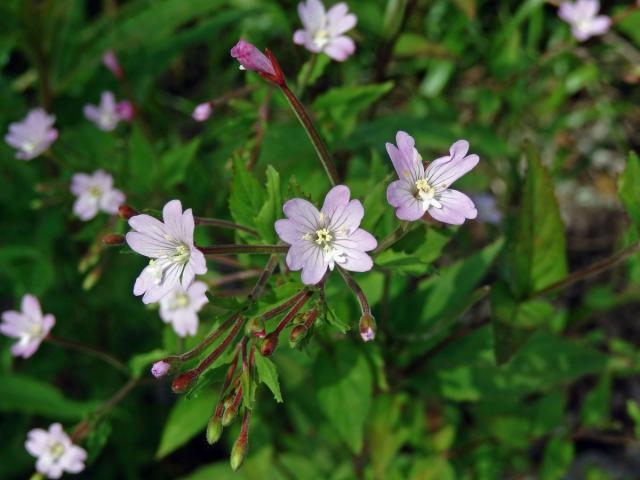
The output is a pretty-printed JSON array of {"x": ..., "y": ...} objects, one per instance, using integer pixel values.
[
  {"x": 292, "y": 313},
  {"x": 220, "y": 348},
  {"x": 362, "y": 299},
  {"x": 216, "y": 222},
  {"x": 399, "y": 232},
  {"x": 206, "y": 342},
  {"x": 593, "y": 269},
  {"x": 234, "y": 249},
  {"x": 96, "y": 352},
  {"x": 284, "y": 306},
  {"x": 312, "y": 132}
]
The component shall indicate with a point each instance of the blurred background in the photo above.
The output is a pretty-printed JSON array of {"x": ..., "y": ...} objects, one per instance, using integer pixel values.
[{"x": 429, "y": 399}]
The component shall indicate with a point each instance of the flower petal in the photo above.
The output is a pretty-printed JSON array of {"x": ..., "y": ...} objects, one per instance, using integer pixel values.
[
  {"x": 314, "y": 267},
  {"x": 339, "y": 48},
  {"x": 456, "y": 208}
]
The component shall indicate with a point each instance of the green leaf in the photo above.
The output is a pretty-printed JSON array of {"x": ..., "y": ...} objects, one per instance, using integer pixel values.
[
  {"x": 258, "y": 466},
  {"x": 538, "y": 243},
  {"x": 633, "y": 409},
  {"x": 187, "y": 418},
  {"x": 175, "y": 162},
  {"x": 629, "y": 188},
  {"x": 268, "y": 374},
  {"x": 29, "y": 396},
  {"x": 344, "y": 385},
  {"x": 272, "y": 208},
  {"x": 247, "y": 195},
  {"x": 142, "y": 163},
  {"x": 558, "y": 456},
  {"x": 402, "y": 262},
  {"x": 597, "y": 404},
  {"x": 313, "y": 69}
]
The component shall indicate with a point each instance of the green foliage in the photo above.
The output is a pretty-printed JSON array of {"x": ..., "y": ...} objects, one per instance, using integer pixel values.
[{"x": 629, "y": 188}]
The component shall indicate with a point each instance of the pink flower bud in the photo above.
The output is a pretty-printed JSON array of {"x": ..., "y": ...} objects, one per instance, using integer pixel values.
[
  {"x": 251, "y": 58},
  {"x": 183, "y": 382},
  {"x": 269, "y": 344},
  {"x": 367, "y": 327},
  {"x": 125, "y": 110},
  {"x": 160, "y": 369},
  {"x": 202, "y": 112},
  {"x": 110, "y": 60}
]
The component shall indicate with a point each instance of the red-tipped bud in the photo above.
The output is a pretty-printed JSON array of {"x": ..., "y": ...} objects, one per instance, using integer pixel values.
[
  {"x": 113, "y": 239},
  {"x": 298, "y": 333},
  {"x": 214, "y": 430},
  {"x": 367, "y": 327},
  {"x": 251, "y": 58},
  {"x": 238, "y": 452},
  {"x": 269, "y": 344},
  {"x": 255, "y": 328},
  {"x": 229, "y": 415},
  {"x": 183, "y": 382},
  {"x": 126, "y": 212}
]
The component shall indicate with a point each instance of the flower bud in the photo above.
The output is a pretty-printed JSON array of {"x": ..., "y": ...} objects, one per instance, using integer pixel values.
[
  {"x": 255, "y": 327},
  {"x": 113, "y": 239},
  {"x": 160, "y": 369},
  {"x": 126, "y": 212},
  {"x": 202, "y": 112},
  {"x": 298, "y": 333},
  {"x": 125, "y": 110},
  {"x": 110, "y": 60},
  {"x": 229, "y": 415},
  {"x": 251, "y": 58},
  {"x": 183, "y": 382},
  {"x": 92, "y": 278},
  {"x": 238, "y": 452},
  {"x": 367, "y": 327},
  {"x": 214, "y": 430},
  {"x": 269, "y": 344}
]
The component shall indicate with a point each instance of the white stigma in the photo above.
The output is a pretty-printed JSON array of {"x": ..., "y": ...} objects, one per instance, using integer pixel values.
[
  {"x": 321, "y": 38},
  {"x": 426, "y": 194}
]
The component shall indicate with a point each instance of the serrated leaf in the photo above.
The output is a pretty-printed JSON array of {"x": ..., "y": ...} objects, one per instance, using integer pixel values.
[
  {"x": 538, "y": 243},
  {"x": 268, "y": 374},
  {"x": 247, "y": 195},
  {"x": 629, "y": 188},
  {"x": 272, "y": 208},
  {"x": 187, "y": 418}
]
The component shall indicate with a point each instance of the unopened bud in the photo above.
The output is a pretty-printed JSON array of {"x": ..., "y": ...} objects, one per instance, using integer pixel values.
[
  {"x": 126, "y": 212},
  {"x": 367, "y": 327},
  {"x": 269, "y": 344},
  {"x": 160, "y": 369},
  {"x": 297, "y": 335},
  {"x": 113, "y": 239},
  {"x": 126, "y": 110},
  {"x": 202, "y": 112},
  {"x": 183, "y": 382},
  {"x": 110, "y": 60},
  {"x": 92, "y": 278},
  {"x": 238, "y": 452},
  {"x": 214, "y": 430},
  {"x": 255, "y": 327},
  {"x": 229, "y": 415}
]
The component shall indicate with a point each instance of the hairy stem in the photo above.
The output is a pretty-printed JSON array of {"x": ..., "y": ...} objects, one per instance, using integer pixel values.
[
  {"x": 235, "y": 249},
  {"x": 216, "y": 222},
  {"x": 362, "y": 299}
]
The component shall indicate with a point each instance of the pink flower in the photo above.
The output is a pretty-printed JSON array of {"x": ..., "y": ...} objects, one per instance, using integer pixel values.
[
  {"x": 323, "y": 31},
  {"x": 95, "y": 192},
  {"x": 584, "y": 19},
  {"x": 160, "y": 369},
  {"x": 125, "y": 110},
  {"x": 202, "y": 112},
  {"x": 322, "y": 239},
  {"x": 180, "y": 307},
  {"x": 106, "y": 115},
  {"x": 110, "y": 60},
  {"x": 251, "y": 58},
  {"x": 29, "y": 326},
  {"x": 33, "y": 135},
  {"x": 175, "y": 259},
  {"x": 419, "y": 191},
  {"x": 55, "y": 451}
]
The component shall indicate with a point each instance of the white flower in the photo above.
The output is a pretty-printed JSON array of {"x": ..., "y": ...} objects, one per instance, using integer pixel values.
[
  {"x": 106, "y": 115},
  {"x": 323, "y": 31},
  {"x": 29, "y": 326},
  {"x": 95, "y": 192},
  {"x": 180, "y": 307},
  {"x": 33, "y": 135},
  {"x": 584, "y": 19},
  {"x": 175, "y": 259},
  {"x": 55, "y": 452}
]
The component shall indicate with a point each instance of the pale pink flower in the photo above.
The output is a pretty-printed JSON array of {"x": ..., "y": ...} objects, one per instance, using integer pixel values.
[
  {"x": 160, "y": 369},
  {"x": 180, "y": 307},
  {"x": 419, "y": 191},
  {"x": 322, "y": 239},
  {"x": 95, "y": 193},
  {"x": 251, "y": 58},
  {"x": 175, "y": 259},
  {"x": 110, "y": 60},
  {"x": 33, "y": 135},
  {"x": 202, "y": 112},
  {"x": 125, "y": 110},
  {"x": 324, "y": 31},
  {"x": 55, "y": 451},
  {"x": 29, "y": 326},
  {"x": 106, "y": 115},
  {"x": 583, "y": 17}
]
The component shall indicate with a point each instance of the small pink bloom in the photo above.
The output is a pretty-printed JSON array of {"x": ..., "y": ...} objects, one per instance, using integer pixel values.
[
  {"x": 125, "y": 110},
  {"x": 106, "y": 115},
  {"x": 160, "y": 369},
  {"x": 419, "y": 191},
  {"x": 180, "y": 307},
  {"x": 95, "y": 193},
  {"x": 174, "y": 258},
  {"x": 322, "y": 239},
  {"x": 33, "y": 135},
  {"x": 110, "y": 60},
  {"x": 584, "y": 19},
  {"x": 202, "y": 112},
  {"x": 55, "y": 451},
  {"x": 251, "y": 58},
  {"x": 324, "y": 31},
  {"x": 29, "y": 326}
]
